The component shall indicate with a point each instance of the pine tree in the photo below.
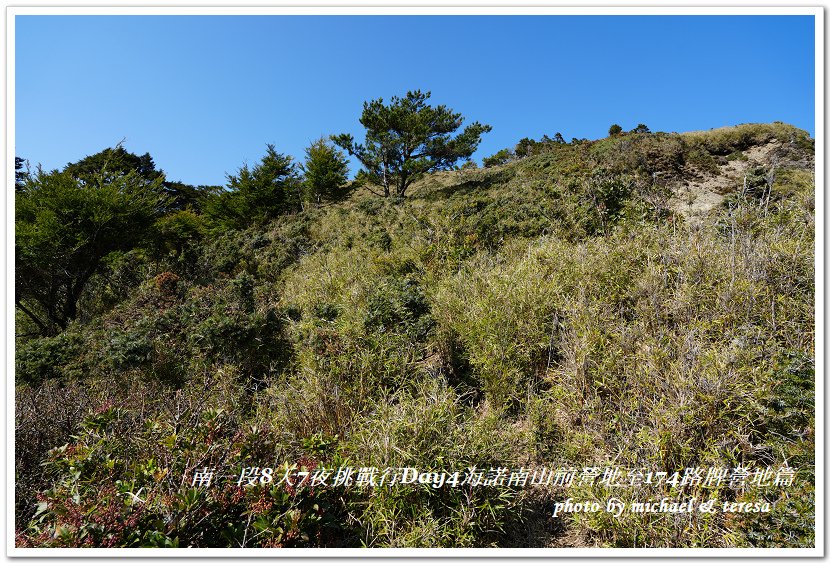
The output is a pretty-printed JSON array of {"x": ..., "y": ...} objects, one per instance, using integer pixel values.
[
  {"x": 326, "y": 171},
  {"x": 408, "y": 138}
]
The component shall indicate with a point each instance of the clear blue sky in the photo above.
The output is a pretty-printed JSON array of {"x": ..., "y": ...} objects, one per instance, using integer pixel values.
[{"x": 203, "y": 94}]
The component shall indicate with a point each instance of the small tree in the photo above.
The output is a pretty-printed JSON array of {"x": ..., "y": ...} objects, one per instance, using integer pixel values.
[
  {"x": 497, "y": 159},
  {"x": 326, "y": 171},
  {"x": 64, "y": 230},
  {"x": 524, "y": 147},
  {"x": 614, "y": 130},
  {"x": 255, "y": 195},
  {"x": 408, "y": 138},
  {"x": 641, "y": 128},
  {"x": 21, "y": 173}
]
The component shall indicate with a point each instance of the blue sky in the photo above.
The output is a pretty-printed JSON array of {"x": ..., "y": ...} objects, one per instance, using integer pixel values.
[{"x": 203, "y": 94}]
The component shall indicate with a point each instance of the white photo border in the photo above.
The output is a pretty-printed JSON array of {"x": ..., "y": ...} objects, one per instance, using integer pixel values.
[{"x": 459, "y": 7}]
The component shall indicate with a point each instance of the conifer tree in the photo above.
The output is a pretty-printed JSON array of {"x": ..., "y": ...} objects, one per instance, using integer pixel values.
[
  {"x": 408, "y": 138},
  {"x": 326, "y": 171}
]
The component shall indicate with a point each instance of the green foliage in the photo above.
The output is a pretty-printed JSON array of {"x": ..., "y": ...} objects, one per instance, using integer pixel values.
[
  {"x": 524, "y": 147},
  {"x": 326, "y": 172},
  {"x": 64, "y": 230},
  {"x": 789, "y": 404},
  {"x": 430, "y": 428},
  {"x": 112, "y": 163},
  {"x": 183, "y": 196},
  {"x": 256, "y": 195},
  {"x": 129, "y": 350},
  {"x": 49, "y": 358},
  {"x": 178, "y": 232},
  {"x": 614, "y": 130},
  {"x": 399, "y": 305},
  {"x": 504, "y": 332},
  {"x": 408, "y": 138},
  {"x": 97, "y": 499},
  {"x": 229, "y": 326},
  {"x": 608, "y": 194},
  {"x": 264, "y": 254},
  {"x": 501, "y": 157},
  {"x": 20, "y": 175}
]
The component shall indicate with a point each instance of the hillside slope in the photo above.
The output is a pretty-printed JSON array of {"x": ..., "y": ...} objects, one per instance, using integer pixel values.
[{"x": 644, "y": 301}]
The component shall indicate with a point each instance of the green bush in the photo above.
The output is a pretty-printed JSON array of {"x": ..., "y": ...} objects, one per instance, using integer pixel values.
[
  {"x": 148, "y": 501},
  {"x": 501, "y": 157},
  {"x": 57, "y": 357}
]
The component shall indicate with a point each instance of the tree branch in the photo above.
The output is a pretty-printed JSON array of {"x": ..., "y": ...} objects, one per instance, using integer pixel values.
[{"x": 32, "y": 316}]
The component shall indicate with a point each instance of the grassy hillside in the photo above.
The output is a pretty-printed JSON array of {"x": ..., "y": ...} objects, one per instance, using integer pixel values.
[{"x": 641, "y": 301}]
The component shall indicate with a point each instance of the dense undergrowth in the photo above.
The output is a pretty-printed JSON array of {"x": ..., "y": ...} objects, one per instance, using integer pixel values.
[{"x": 554, "y": 311}]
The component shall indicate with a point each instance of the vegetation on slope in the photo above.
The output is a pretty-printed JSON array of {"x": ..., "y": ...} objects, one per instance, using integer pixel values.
[{"x": 554, "y": 310}]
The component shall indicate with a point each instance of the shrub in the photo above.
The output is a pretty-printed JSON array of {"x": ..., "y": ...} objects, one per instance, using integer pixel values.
[
  {"x": 501, "y": 157},
  {"x": 147, "y": 500},
  {"x": 57, "y": 357}
]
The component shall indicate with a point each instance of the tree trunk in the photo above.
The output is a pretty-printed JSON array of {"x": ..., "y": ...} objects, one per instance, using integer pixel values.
[
  {"x": 40, "y": 324},
  {"x": 402, "y": 185},
  {"x": 385, "y": 179}
]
